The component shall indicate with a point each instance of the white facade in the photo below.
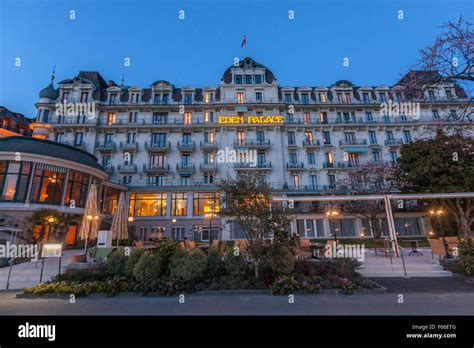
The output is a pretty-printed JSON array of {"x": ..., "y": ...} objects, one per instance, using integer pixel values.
[{"x": 164, "y": 139}]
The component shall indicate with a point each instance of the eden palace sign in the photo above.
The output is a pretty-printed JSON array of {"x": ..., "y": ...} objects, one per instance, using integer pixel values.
[{"x": 250, "y": 119}]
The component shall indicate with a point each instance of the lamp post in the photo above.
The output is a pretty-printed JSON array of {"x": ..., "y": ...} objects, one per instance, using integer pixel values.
[
  {"x": 129, "y": 229},
  {"x": 91, "y": 219},
  {"x": 438, "y": 214},
  {"x": 50, "y": 226},
  {"x": 210, "y": 216},
  {"x": 332, "y": 215}
]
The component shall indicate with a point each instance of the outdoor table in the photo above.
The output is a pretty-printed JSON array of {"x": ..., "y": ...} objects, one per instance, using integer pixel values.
[
  {"x": 317, "y": 250},
  {"x": 414, "y": 247}
]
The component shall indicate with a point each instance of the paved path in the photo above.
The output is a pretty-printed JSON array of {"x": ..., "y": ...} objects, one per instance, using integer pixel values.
[{"x": 248, "y": 304}]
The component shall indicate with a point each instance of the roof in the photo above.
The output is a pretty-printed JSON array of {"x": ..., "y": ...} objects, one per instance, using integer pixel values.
[
  {"x": 14, "y": 116},
  {"x": 48, "y": 148},
  {"x": 49, "y": 92},
  {"x": 248, "y": 63}
]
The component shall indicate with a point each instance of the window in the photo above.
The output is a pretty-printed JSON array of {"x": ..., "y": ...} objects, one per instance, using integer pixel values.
[
  {"x": 368, "y": 117},
  {"x": 372, "y": 137},
  {"x": 78, "y": 139},
  {"x": 393, "y": 156},
  {"x": 113, "y": 99},
  {"x": 131, "y": 137},
  {"x": 293, "y": 158},
  {"x": 45, "y": 116},
  {"x": 236, "y": 231},
  {"x": 332, "y": 180},
  {"x": 389, "y": 135},
  {"x": 208, "y": 97},
  {"x": 323, "y": 117},
  {"x": 376, "y": 156},
  {"x": 322, "y": 97},
  {"x": 186, "y": 161},
  {"x": 311, "y": 158},
  {"x": 288, "y": 98},
  {"x": 135, "y": 97},
  {"x": 435, "y": 113},
  {"x": 127, "y": 179},
  {"x": 406, "y": 137},
  {"x": 60, "y": 137},
  {"x": 65, "y": 96},
  {"x": 187, "y": 117},
  {"x": 365, "y": 97},
  {"x": 188, "y": 98},
  {"x": 179, "y": 203},
  {"x": 339, "y": 98},
  {"x": 209, "y": 137},
  {"x": 308, "y": 136},
  {"x": 296, "y": 181},
  {"x": 241, "y": 137},
  {"x": 291, "y": 138},
  {"x": 208, "y": 179},
  {"x": 306, "y": 117},
  {"x": 238, "y": 79},
  {"x": 305, "y": 98},
  {"x": 132, "y": 117},
  {"x": 261, "y": 159},
  {"x": 108, "y": 138},
  {"x": 14, "y": 180},
  {"x": 248, "y": 79},
  {"x": 431, "y": 95},
  {"x": 106, "y": 160},
  {"x": 178, "y": 232},
  {"x": 313, "y": 182},
  {"x": 382, "y": 97},
  {"x": 240, "y": 97},
  {"x": 398, "y": 96},
  {"x": 157, "y": 161},
  {"x": 148, "y": 204},
  {"x": 185, "y": 180},
  {"x": 76, "y": 189},
  {"x": 329, "y": 158},
  {"x": 326, "y": 137},
  {"x": 156, "y": 180},
  {"x": 157, "y": 99},
  {"x": 186, "y": 138},
  {"x": 353, "y": 159},
  {"x": 348, "y": 98},
  {"x": 208, "y": 116},
  {"x": 349, "y": 137},
  {"x": 47, "y": 186},
  {"x": 84, "y": 96},
  {"x": 160, "y": 117},
  {"x": 407, "y": 226},
  {"x": 258, "y": 97},
  {"x": 205, "y": 202},
  {"x": 449, "y": 95},
  {"x": 258, "y": 79},
  {"x": 111, "y": 118}
]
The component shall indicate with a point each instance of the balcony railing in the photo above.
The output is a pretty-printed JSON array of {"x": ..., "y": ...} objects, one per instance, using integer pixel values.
[
  {"x": 105, "y": 147},
  {"x": 262, "y": 143},
  {"x": 157, "y": 147},
  {"x": 311, "y": 144},
  {"x": 127, "y": 168},
  {"x": 251, "y": 166},
  {"x": 156, "y": 168},
  {"x": 393, "y": 142},
  {"x": 208, "y": 167},
  {"x": 353, "y": 142},
  {"x": 184, "y": 168},
  {"x": 109, "y": 169},
  {"x": 208, "y": 146},
  {"x": 82, "y": 145},
  {"x": 186, "y": 146},
  {"x": 295, "y": 166},
  {"x": 125, "y": 146}
]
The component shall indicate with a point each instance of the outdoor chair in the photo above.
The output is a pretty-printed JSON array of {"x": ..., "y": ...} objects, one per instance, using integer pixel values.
[{"x": 437, "y": 248}]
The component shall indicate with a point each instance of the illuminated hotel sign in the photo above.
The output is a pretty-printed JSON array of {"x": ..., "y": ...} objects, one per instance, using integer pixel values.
[{"x": 250, "y": 119}]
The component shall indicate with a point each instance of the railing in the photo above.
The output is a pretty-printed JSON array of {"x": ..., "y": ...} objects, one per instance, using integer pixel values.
[
  {"x": 262, "y": 142},
  {"x": 293, "y": 166},
  {"x": 393, "y": 244},
  {"x": 264, "y": 165},
  {"x": 208, "y": 145},
  {"x": 208, "y": 166},
  {"x": 81, "y": 145},
  {"x": 156, "y": 167},
  {"x": 129, "y": 146},
  {"x": 311, "y": 143},
  {"x": 105, "y": 146},
  {"x": 128, "y": 168},
  {"x": 184, "y": 167},
  {"x": 186, "y": 146},
  {"x": 160, "y": 146},
  {"x": 11, "y": 260},
  {"x": 358, "y": 142},
  {"x": 393, "y": 142}
]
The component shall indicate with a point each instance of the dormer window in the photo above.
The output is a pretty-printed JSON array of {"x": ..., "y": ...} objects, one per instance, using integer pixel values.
[
  {"x": 4, "y": 124},
  {"x": 238, "y": 79},
  {"x": 157, "y": 99},
  {"x": 240, "y": 97},
  {"x": 288, "y": 98},
  {"x": 339, "y": 98},
  {"x": 449, "y": 95},
  {"x": 45, "y": 116},
  {"x": 322, "y": 97},
  {"x": 431, "y": 95},
  {"x": 134, "y": 97},
  {"x": 248, "y": 79},
  {"x": 365, "y": 97},
  {"x": 113, "y": 99},
  {"x": 209, "y": 97},
  {"x": 398, "y": 96},
  {"x": 348, "y": 98},
  {"x": 305, "y": 98},
  {"x": 188, "y": 98},
  {"x": 258, "y": 79},
  {"x": 84, "y": 97},
  {"x": 258, "y": 97},
  {"x": 382, "y": 97}
]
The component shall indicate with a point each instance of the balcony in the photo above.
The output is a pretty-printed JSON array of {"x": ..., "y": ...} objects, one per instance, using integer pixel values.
[
  {"x": 127, "y": 168},
  {"x": 156, "y": 169},
  {"x": 353, "y": 142},
  {"x": 105, "y": 147},
  {"x": 185, "y": 169},
  {"x": 292, "y": 146},
  {"x": 208, "y": 146},
  {"x": 208, "y": 167},
  {"x": 261, "y": 144},
  {"x": 186, "y": 147},
  {"x": 298, "y": 166},
  {"x": 109, "y": 169},
  {"x": 393, "y": 142},
  {"x": 129, "y": 147},
  {"x": 251, "y": 166},
  {"x": 311, "y": 144},
  {"x": 335, "y": 166},
  {"x": 158, "y": 147}
]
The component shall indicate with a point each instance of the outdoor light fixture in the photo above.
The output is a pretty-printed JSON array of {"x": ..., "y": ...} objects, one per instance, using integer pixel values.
[
  {"x": 130, "y": 219},
  {"x": 438, "y": 214},
  {"x": 332, "y": 215}
]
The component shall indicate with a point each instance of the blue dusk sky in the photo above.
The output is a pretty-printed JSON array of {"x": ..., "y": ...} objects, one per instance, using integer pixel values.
[{"x": 307, "y": 50}]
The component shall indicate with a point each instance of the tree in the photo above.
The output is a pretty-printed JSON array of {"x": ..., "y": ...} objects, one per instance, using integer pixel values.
[
  {"x": 444, "y": 163},
  {"x": 369, "y": 178},
  {"x": 248, "y": 200}
]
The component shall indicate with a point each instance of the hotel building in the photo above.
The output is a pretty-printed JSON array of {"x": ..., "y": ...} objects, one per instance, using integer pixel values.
[{"x": 160, "y": 142}]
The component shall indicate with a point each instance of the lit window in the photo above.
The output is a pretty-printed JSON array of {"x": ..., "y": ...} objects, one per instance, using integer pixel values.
[
  {"x": 187, "y": 118},
  {"x": 111, "y": 118},
  {"x": 240, "y": 97}
]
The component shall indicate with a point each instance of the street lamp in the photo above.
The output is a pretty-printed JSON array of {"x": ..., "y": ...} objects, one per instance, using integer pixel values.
[
  {"x": 173, "y": 229},
  {"x": 332, "y": 215},
  {"x": 51, "y": 220},
  {"x": 210, "y": 216},
  {"x": 91, "y": 219},
  {"x": 438, "y": 214}
]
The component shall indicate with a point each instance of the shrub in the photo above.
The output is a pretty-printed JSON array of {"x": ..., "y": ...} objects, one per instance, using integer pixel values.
[
  {"x": 234, "y": 265},
  {"x": 147, "y": 270},
  {"x": 466, "y": 256},
  {"x": 348, "y": 286},
  {"x": 187, "y": 269},
  {"x": 284, "y": 285},
  {"x": 116, "y": 263},
  {"x": 310, "y": 288},
  {"x": 132, "y": 259},
  {"x": 165, "y": 250},
  {"x": 215, "y": 265},
  {"x": 281, "y": 259}
]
